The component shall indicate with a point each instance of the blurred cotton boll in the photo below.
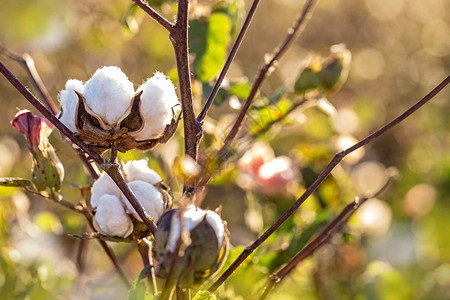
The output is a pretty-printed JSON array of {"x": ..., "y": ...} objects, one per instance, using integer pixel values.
[
  {"x": 374, "y": 217},
  {"x": 277, "y": 175},
  {"x": 108, "y": 93},
  {"x": 255, "y": 157},
  {"x": 345, "y": 141},
  {"x": 369, "y": 176},
  {"x": 419, "y": 200}
]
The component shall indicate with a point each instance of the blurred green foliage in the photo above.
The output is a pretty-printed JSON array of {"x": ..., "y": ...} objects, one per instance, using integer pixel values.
[{"x": 400, "y": 51}]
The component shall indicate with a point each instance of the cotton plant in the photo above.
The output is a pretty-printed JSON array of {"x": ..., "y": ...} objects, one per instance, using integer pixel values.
[
  {"x": 107, "y": 112},
  {"x": 114, "y": 215}
]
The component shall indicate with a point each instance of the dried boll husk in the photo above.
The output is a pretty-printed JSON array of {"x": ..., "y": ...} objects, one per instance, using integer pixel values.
[{"x": 206, "y": 250}]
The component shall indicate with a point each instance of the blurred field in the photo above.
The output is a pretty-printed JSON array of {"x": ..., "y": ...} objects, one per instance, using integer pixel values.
[{"x": 397, "y": 247}]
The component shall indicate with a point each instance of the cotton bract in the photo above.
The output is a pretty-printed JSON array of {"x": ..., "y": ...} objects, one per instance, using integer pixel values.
[
  {"x": 106, "y": 110},
  {"x": 205, "y": 239},
  {"x": 113, "y": 210}
]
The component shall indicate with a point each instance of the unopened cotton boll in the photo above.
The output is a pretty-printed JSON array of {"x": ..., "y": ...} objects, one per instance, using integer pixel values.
[
  {"x": 139, "y": 170},
  {"x": 69, "y": 100},
  {"x": 103, "y": 185},
  {"x": 108, "y": 94},
  {"x": 149, "y": 197},
  {"x": 158, "y": 101},
  {"x": 111, "y": 218}
]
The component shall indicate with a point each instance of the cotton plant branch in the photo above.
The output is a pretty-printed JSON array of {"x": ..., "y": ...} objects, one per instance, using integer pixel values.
[
  {"x": 266, "y": 69},
  {"x": 333, "y": 163},
  {"x": 27, "y": 62},
  {"x": 111, "y": 169},
  {"x": 154, "y": 14},
  {"x": 333, "y": 227},
  {"x": 229, "y": 60}
]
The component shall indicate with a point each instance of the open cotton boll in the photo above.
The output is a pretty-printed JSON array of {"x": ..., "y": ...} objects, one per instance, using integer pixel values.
[
  {"x": 139, "y": 170},
  {"x": 192, "y": 216},
  {"x": 103, "y": 185},
  {"x": 150, "y": 198},
  {"x": 111, "y": 219},
  {"x": 108, "y": 94},
  {"x": 69, "y": 100},
  {"x": 157, "y": 100}
]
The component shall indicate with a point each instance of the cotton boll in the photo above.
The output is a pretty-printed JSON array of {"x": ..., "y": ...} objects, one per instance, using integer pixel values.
[
  {"x": 111, "y": 219},
  {"x": 69, "y": 100},
  {"x": 108, "y": 94},
  {"x": 103, "y": 185},
  {"x": 158, "y": 99},
  {"x": 139, "y": 170},
  {"x": 150, "y": 198}
]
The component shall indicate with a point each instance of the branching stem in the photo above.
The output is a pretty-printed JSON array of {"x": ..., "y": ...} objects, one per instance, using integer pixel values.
[
  {"x": 154, "y": 14},
  {"x": 334, "y": 162}
]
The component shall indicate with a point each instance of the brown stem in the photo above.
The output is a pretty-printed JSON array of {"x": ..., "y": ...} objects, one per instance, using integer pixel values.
[
  {"x": 230, "y": 59},
  {"x": 144, "y": 250},
  {"x": 116, "y": 176},
  {"x": 27, "y": 62},
  {"x": 293, "y": 32},
  {"x": 182, "y": 294},
  {"x": 333, "y": 227},
  {"x": 334, "y": 162},
  {"x": 154, "y": 14},
  {"x": 192, "y": 128}
]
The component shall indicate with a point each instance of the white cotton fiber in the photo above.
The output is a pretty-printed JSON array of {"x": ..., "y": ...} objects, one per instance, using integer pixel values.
[
  {"x": 139, "y": 170},
  {"x": 111, "y": 219},
  {"x": 150, "y": 198},
  {"x": 158, "y": 99},
  {"x": 102, "y": 186},
  {"x": 108, "y": 94},
  {"x": 69, "y": 100}
]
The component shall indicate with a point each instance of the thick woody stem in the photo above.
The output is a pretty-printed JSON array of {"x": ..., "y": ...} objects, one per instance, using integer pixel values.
[
  {"x": 334, "y": 162},
  {"x": 192, "y": 128}
]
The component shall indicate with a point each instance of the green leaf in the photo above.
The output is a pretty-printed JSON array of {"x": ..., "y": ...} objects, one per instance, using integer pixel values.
[
  {"x": 14, "y": 181},
  {"x": 129, "y": 19},
  {"x": 221, "y": 97},
  {"x": 240, "y": 90},
  {"x": 210, "y": 54},
  {"x": 204, "y": 295},
  {"x": 138, "y": 290}
]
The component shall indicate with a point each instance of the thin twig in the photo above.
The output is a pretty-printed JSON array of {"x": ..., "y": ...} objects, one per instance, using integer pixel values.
[
  {"x": 154, "y": 14},
  {"x": 109, "y": 168},
  {"x": 27, "y": 62},
  {"x": 334, "y": 162},
  {"x": 230, "y": 59},
  {"x": 293, "y": 32},
  {"x": 333, "y": 227}
]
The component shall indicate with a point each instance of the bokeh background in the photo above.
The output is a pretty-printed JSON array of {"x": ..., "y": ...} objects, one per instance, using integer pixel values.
[{"x": 397, "y": 247}]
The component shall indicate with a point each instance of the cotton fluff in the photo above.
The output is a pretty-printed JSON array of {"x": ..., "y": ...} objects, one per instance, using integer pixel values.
[
  {"x": 192, "y": 216},
  {"x": 139, "y": 170},
  {"x": 69, "y": 100},
  {"x": 108, "y": 94},
  {"x": 158, "y": 99},
  {"x": 150, "y": 198},
  {"x": 111, "y": 219},
  {"x": 103, "y": 185}
]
